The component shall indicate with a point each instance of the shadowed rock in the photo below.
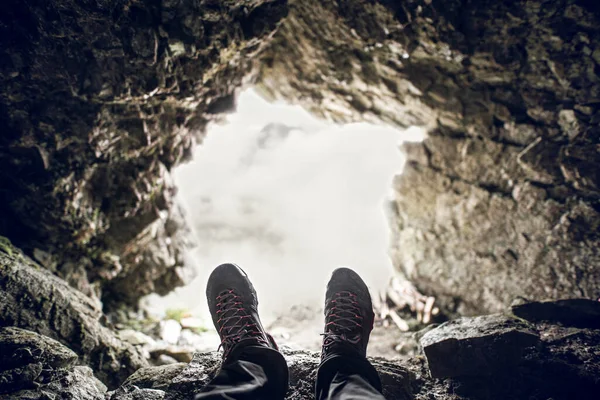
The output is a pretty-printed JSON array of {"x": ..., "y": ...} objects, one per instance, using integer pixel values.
[
  {"x": 159, "y": 378},
  {"x": 33, "y": 366},
  {"x": 34, "y": 299},
  {"x": 494, "y": 357},
  {"x": 477, "y": 346},
  {"x": 396, "y": 380},
  {"x": 500, "y": 357},
  {"x": 98, "y": 101}
]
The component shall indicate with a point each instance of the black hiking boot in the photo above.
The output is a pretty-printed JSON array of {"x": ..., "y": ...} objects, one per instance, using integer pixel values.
[
  {"x": 233, "y": 305},
  {"x": 348, "y": 315}
]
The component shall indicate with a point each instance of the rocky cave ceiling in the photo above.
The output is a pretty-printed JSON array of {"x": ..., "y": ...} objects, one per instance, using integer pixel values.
[{"x": 100, "y": 99}]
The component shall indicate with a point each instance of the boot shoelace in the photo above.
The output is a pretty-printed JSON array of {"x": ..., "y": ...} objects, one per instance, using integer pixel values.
[
  {"x": 343, "y": 322},
  {"x": 235, "y": 322}
]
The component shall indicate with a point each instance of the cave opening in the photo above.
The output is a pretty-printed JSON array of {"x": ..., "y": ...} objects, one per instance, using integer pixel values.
[
  {"x": 495, "y": 215},
  {"x": 289, "y": 198}
]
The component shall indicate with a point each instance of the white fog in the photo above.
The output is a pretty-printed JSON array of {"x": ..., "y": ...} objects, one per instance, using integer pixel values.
[{"x": 288, "y": 198}]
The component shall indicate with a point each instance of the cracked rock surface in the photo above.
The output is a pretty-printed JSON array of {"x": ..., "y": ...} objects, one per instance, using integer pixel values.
[
  {"x": 98, "y": 101},
  {"x": 37, "y": 367},
  {"x": 536, "y": 350},
  {"x": 502, "y": 199},
  {"x": 32, "y": 298},
  {"x": 489, "y": 357}
]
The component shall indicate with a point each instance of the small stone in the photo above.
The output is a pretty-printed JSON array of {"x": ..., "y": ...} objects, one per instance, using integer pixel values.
[
  {"x": 170, "y": 331},
  {"x": 205, "y": 341},
  {"x": 20, "y": 347},
  {"x": 165, "y": 359},
  {"x": 192, "y": 323},
  {"x": 181, "y": 354},
  {"x": 477, "y": 346},
  {"x": 136, "y": 337}
]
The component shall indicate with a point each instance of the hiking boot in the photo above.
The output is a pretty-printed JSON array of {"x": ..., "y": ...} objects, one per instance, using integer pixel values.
[
  {"x": 233, "y": 305},
  {"x": 349, "y": 315}
]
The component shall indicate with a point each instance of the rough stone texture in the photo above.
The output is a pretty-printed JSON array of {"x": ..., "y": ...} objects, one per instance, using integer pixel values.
[
  {"x": 33, "y": 366},
  {"x": 16, "y": 344},
  {"x": 477, "y": 346},
  {"x": 148, "y": 383},
  {"x": 24, "y": 355},
  {"x": 155, "y": 377},
  {"x": 493, "y": 357},
  {"x": 496, "y": 357},
  {"x": 76, "y": 383},
  {"x": 395, "y": 379},
  {"x": 483, "y": 247},
  {"x": 134, "y": 393},
  {"x": 98, "y": 100},
  {"x": 502, "y": 199},
  {"x": 561, "y": 363},
  {"x": 582, "y": 313},
  {"x": 101, "y": 99},
  {"x": 34, "y": 299}
]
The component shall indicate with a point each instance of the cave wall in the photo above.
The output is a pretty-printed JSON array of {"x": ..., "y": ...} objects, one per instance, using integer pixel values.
[
  {"x": 98, "y": 101},
  {"x": 502, "y": 199}
]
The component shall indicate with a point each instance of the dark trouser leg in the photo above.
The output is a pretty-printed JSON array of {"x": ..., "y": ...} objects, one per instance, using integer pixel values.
[
  {"x": 257, "y": 373},
  {"x": 346, "y": 377}
]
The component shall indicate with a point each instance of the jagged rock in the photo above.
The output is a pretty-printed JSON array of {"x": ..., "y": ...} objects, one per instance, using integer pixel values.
[
  {"x": 582, "y": 313},
  {"x": 505, "y": 190},
  {"x": 76, "y": 383},
  {"x": 477, "y": 346},
  {"x": 499, "y": 357},
  {"x": 33, "y": 366},
  {"x": 501, "y": 200},
  {"x": 196, "y": 374},
  {"x": 136, "y": 337},
  {"x": 476, "y": 247},
  {"x": 155, "y": 261},
  {"x": 20, "y": 347},
  {"x": 155, "y": 377},
  {"x": 395, "y": 379},
  {"x": 96, "y": 110},
  {"x": 134, "y": 393},
  {"x": 34, "y": 299},
  {"x": 492, "y": 357}
]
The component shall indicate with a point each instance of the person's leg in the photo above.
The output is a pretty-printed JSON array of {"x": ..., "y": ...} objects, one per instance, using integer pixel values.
[
  {"x": 344, "y": 371},
  {"x": 257, "y": 373},
  {"x": 252, "y": 368},
  {"x": 347, "y": 378}
]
